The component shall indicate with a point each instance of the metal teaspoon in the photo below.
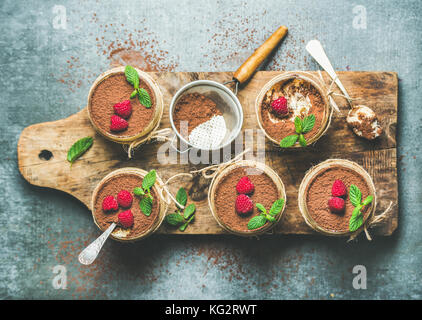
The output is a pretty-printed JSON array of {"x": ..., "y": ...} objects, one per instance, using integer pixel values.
[
  {"x": 362, "y": 119},
  {"x": 90, "y": 253}
]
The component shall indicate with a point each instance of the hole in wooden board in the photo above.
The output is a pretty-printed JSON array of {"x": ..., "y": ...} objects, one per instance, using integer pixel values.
[{"x": 45, "y": 155}]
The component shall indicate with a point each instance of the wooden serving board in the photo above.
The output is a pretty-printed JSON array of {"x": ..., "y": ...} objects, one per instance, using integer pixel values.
[{"x": 376, "y": 89}]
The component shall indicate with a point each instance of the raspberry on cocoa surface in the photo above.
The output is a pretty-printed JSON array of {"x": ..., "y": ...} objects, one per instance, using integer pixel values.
[
  {"x": 118, "y": 124},
  {"x": 123, "y": 109},
  {"x": 336, "y": 204},
  {"x": 338, "y": 189},
  {"x": 245, "y": 185},
  {"x": 124, "y": 198},
  {"x": 243, "y": 204},
  {"x": 109, "y": 204},
  {"x": 280, "y": 107},
  {"x": 126, "y": 219}
]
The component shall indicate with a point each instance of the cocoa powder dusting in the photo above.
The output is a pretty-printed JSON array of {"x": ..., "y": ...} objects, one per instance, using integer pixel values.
[
  {"x": 318, "y": 192},
  {"x": 284, "y": 127},
  {"x": 115, "y": 89},
  {"x": 225, "y": 196},
  {"x": 112, "y": 187},
  {"x": 193, "y": 109}
]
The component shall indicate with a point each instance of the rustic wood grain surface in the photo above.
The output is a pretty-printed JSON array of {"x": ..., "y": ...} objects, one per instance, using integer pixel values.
[{"x": 376, "y": 89}]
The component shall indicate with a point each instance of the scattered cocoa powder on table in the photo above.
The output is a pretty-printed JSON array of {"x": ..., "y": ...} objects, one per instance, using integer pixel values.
[
  {"x": 318, "y": 192},
  {"x": 193, "y": 109},
  {"x": 225, "y": 196},
  {"x": 284, "y": 127},
  {"x": 116, "y": 89},
  {"x": 125, "y": 181}
]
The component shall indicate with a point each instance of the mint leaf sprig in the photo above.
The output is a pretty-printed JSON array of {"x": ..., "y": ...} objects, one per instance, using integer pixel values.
[
  {"x": 355, "y": 196},
  {"x": 79, "y": 148},
  {"x": 302, "y": 127},
  {"x": 145, "y": 192},
  {"x": 132, "y": 77},
  {"x": 260, "y": 220},
  {"x": 178, "y": 218}
]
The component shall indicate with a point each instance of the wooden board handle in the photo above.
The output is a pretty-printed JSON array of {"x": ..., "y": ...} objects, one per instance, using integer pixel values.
[{"x": 249, "y": 66}]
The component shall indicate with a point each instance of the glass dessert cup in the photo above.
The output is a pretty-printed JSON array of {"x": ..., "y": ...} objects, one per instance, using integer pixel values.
[
  {"x": 325, "y": 118},
  {"x": 120, "y": 233},
  {"x": 256, "y": 168},
  {"x": 311, "y": 177},
  {"x": 154, "y": 122}
]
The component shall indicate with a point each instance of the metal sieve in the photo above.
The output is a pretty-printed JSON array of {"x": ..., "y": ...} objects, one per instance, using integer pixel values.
[{"x": 226, "y": 101}]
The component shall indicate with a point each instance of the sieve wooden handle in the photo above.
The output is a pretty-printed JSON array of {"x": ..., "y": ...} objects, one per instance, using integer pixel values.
[{"x": 246, "y": 70}]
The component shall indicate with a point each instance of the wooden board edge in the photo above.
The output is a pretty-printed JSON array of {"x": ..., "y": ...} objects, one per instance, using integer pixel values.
[{"x": 23, "y": 168}]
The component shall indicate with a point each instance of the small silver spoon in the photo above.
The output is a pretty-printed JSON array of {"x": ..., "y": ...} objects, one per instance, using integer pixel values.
[
  {"x": 362, "y": 119},
  {"x": 90, "y": 253}
]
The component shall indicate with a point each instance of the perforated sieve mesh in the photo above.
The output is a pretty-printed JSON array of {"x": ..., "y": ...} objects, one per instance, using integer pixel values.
[
  {"x": 210, "y": 134},
  {"x": 221, "y": 129}
]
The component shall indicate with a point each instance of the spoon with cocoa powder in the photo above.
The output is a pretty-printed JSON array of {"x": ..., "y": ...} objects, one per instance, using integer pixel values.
[{"x": 361, "y": 119}]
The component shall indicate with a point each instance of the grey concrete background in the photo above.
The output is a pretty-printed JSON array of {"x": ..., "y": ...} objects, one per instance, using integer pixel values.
[{"x": 46, "y": 74}]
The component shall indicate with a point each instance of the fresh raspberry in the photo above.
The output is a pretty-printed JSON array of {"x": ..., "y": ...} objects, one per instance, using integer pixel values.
[
  {"x": 123, "y": 109},
  {"x": 336, "y": 204},
  {"x": 338, "y": 189},
  {"x": 126, "y": 218},
  {"x": 280, "y": 106},
  {"x": 245, "y": 185},
  {"x": 110, "y": 204},
  {"x": 124, "y": 198},
  {"x": 118, "y": 123},
  {"x": 244, "y": 204}
]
